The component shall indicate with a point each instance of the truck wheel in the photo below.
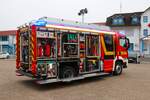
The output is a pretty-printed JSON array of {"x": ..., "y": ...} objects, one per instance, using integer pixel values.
[
  {"x": 118, "y": 69},
  {"x": 68, "y": 72}
]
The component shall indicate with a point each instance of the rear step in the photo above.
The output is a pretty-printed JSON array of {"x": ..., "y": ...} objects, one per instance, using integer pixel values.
[
  {"x": 47, "y": 81},
  {"x": 84, "y": 76},
  {"x": 95, "y": 74},
  {"x": 21, "y": 73},
  {"x": 71, "y": 79}
]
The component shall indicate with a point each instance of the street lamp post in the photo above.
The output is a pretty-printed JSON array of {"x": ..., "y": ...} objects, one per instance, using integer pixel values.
[{"x": 82, "y": 13}]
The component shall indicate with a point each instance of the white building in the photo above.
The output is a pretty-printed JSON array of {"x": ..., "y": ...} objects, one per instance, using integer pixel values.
[
  {"x": 145, "y": 33},
  {"x": 128, "y": 24},
  {"x": 8, "y": 41},
  {"x": 103, "y": 26}
]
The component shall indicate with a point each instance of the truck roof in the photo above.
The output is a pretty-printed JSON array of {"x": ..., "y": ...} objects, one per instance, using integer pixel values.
[
  {"x": 62, "y": 22},
  {"x": 67, "y": 24}
]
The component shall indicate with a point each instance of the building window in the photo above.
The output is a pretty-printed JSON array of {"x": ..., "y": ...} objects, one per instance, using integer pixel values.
[
  {"x": 118, "y": 21},
  {"x": 4, "y": 38},
  {"x": 145, "y": 32},
  {"x": 145, "y": 19},
  {"x": 115, "y": 21},
  {"x": 135, "y": 20}
]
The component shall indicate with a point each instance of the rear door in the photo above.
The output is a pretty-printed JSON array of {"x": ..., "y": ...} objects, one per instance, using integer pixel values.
[{"x": 108, "y": 51}]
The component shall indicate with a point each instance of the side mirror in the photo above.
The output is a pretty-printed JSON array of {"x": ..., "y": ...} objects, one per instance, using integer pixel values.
[{"x": 127, "y": 43}]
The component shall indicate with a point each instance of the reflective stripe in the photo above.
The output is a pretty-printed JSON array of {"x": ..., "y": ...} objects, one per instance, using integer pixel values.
[{"x": 78, "y": 29}]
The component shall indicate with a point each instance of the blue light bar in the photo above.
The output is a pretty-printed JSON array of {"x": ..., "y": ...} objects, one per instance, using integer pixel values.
[{"x": 40, "y": 23}]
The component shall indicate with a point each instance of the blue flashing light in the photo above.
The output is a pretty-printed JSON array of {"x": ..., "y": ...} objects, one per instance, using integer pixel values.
[
  {"x": 122, "y": 32},
  {"x": 40, "y": 23}
]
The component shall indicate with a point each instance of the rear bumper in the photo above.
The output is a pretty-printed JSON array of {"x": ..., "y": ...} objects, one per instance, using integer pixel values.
[{"x": 53, "y": 80}]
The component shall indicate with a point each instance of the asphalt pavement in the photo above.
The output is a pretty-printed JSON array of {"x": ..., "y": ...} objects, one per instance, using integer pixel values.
[{"x": 133, "y": 84}]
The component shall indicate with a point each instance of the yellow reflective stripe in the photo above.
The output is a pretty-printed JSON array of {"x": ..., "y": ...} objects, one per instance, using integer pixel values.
[
  {"x": 122, "y": 53},
  {"x": 32, "y": 58},
  {"x": 32, "y": 39},
  {"x": 32, "y": 52},
  {"x": 32, "y": 45}
]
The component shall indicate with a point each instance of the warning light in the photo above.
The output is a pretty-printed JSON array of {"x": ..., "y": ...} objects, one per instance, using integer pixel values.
[{"x": 40, "y": 23}]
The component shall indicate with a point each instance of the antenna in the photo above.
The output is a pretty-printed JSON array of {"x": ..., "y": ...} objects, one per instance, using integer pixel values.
[{"x": 120, "y": 6}]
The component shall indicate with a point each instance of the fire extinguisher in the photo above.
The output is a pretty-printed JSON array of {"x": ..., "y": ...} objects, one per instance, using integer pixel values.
[
  {"x": 47, "y": 50},
  {"x": 41, "y": 51}
]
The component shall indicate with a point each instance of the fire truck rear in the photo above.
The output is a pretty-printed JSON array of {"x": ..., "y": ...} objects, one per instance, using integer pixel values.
[{"x": 56, "y": 50}]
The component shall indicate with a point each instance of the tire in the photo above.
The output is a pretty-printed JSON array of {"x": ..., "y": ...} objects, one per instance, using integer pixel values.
[
  {"x": 67, "y": 72},
  {"x": 118, "y": 68}
]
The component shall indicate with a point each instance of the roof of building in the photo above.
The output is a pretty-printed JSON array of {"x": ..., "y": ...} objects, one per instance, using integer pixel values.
[
  {"x": 127, "y": 18},
  {"x": 8, "y": 32},
  {"x": 147, "y": 9},
  {"x": 100, "y": 23}
]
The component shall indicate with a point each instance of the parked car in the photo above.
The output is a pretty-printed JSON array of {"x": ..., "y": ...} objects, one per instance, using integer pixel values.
[
  {"x": 133, "y": 57},
  {"x": 4, "y": 55}
]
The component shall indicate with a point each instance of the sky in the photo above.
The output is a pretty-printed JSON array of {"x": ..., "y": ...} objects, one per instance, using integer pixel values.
[{"x": 14, "y": 13}]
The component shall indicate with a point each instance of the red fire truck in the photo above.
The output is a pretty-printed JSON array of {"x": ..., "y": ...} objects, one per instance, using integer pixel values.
[{"x": 57, "y": 50}]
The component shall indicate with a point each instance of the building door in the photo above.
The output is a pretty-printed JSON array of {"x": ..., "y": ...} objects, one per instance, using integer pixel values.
[{"x": 0, "y": 48}]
